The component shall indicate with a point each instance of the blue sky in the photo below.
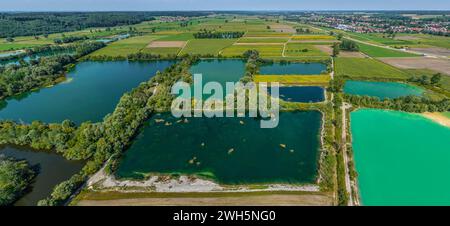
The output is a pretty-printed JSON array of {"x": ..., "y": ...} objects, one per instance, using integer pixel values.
[{"x": 154, "y": 5}]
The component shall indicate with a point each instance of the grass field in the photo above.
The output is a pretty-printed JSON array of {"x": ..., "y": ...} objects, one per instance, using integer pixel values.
[
  {"x": 367, "y": 68},
  {"x": 375, "y": 51},
  {"x": 263, "y": 40},
  {"x": 176, "y": 37},
  {"x": 403, "y": 39},
  {"x": 302, "y": 50},
  {"x": 266, "y": 34},
  {"x": 206, "y": 46},
  {"x": 162, "y": 50},
  {"x": 377, "y": 39},
  {"x": 312, "y": 37},
  {"x": 126, "y": 46},
  {"x": 295, "y": 79},
  {"x": 248, "y": 25},
  {"x": 265, "y": 51}
]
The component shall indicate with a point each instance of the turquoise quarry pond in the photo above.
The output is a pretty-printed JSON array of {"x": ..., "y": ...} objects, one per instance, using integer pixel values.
[
  {"x": 381, "y": 90},
  {"x": 53, "y": 169},
  {"x": 228, "y": 150},
  {"x": 401, "y": 158},
  {"x": 91, "y": 91},
  {"x": 293, "y": 68}
]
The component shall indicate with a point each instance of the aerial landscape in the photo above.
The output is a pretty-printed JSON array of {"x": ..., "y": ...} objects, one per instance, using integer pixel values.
[{"x": 87, "y": 106}]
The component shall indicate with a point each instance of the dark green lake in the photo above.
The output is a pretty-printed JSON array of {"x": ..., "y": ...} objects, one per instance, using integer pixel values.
[
  {"x": 91, "y": 91},
  {"x": 293, "y": 69},
  {"x": 53, "y": 169},
  {"x": 304, "y": 94},
  {"x": 221, "y": 71},
  {"x": 381, "y": 90},
  {"x": 228, "y": 150},
  {"x": 401, "y": 158}
]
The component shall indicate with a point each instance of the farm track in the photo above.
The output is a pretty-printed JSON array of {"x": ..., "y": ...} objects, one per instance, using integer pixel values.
[{"x": 348, "y": 185}]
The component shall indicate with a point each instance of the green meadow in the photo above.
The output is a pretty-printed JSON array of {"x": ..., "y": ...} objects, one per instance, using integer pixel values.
[
  {"x": 206, "y": 46},
  {"x": 264, "y": 50},
  {"x": 375, "y": 51},
  {"x": 302, "y": 50},
  {"x": 126, "y": 46},
  {"x": 367, "y": 68}
]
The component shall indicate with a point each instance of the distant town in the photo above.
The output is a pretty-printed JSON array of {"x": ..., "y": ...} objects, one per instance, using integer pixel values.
[{"x": 436, "y": 24}]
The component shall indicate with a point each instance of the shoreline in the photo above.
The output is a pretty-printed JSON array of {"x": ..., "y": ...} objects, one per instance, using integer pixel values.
[
  {"x": 102, "y": 182},
  {"x": 438, "y": 118}
]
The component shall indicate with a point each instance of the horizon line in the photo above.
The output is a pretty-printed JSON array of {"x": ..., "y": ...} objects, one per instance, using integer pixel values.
[{"x": 235, "y": 10}]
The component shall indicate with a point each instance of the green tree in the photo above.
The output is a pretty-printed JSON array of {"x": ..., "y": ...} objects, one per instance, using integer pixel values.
[
  {"x": 436, "y": 78},
  {"x": 336, "y": 49}
]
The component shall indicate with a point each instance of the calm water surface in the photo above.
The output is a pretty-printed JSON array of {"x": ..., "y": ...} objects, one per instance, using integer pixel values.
[{"x": 401, "y": 158}]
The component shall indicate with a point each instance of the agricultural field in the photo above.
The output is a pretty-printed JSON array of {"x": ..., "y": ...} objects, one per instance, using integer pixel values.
[
  {"x": 377, "y": 39},
  {"x": 23, "y": 42},
  {"x": 303, "y": 50},
  {"x": 295, "y": 79},
  {"x": 438, "y": 65},
  {"x": 223, "y": 25},
  {"x": 264, "y": 50},
  {"x": 127, "y": 46},
  {"x": 267, "y": 33},
  {"x": 263, "y": 40},
  {"x": 163, "y": 51},
  {"x": 206, "y": 46},
  {"x": 219, "y": 198},
  {"x": 375, "y": 51},
  {"x": 403, "y": 40},
  {"x": 367, "y": 68},
  {"x": 170, "y": 36},
  {"x": 312, "y": 38}
]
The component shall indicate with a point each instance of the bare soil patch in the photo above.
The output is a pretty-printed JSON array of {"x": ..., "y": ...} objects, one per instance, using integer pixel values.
[
  {"x": 168, "y": 44},
  {"x": 324, "y": 48},
  {"x": 433, "y": 50},
  {"x": 351, "y": 54},
  {"x": 439, "y": 65},
  {"x": 229, "y": 200},
  {"x": 282, "y": 28}
]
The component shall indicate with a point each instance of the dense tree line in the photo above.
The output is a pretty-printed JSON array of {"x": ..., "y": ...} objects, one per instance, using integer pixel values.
[
  {"x": 349, "y": 45},
  {"x": 252, "y": 65},
  {"x": 425, "y": 80},
  {"x": 15, "y": 178},
  {"x": 218, "y": 35},
  {"x": 27, "y": 24},
  {"x": 407, "y": 104},
  {"x": 70, "y": 39}
]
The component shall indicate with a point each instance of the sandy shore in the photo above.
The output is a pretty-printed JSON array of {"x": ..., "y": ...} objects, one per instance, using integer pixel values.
[{"x": 438, "y": 117}]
